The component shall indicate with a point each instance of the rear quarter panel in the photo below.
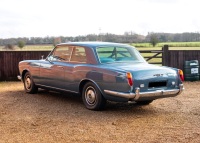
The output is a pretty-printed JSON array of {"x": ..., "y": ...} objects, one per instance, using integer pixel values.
[{"x": 107, "y": 79}]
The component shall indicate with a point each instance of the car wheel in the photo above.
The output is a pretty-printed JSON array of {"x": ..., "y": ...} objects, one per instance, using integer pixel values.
[
  {"x": 29, "y": 85},
  {"x": 145, "y": 102},
  {"x": 92, "y": 97}
]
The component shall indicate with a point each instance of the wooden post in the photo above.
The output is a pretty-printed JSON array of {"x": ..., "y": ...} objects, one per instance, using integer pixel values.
[
  {"x": 1, "y": 65},
  {"x": 165, "y": 55}
]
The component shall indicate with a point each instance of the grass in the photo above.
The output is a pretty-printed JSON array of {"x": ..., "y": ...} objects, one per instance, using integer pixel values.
[{"x": 32, "y": 48}]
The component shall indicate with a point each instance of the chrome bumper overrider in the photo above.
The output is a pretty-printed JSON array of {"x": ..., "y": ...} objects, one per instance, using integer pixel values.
[
  {"x": 19, "y": 77},
  {"x": 137, "y": 95}
]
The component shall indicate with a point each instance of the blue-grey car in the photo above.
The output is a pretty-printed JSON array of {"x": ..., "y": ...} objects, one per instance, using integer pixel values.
[{"x": 101, "y": 71}]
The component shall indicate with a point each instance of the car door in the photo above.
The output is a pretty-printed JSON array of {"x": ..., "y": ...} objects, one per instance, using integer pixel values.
[
  {"x": 52, "y": 70},
  {"x": 75, "y": 70}
]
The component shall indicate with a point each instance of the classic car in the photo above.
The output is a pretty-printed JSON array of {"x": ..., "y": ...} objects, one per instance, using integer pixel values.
[{"x": 101, "y": 71}]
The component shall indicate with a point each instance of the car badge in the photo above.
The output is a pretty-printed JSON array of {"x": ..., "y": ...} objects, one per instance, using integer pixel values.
[{"x": 158, "y": 75}]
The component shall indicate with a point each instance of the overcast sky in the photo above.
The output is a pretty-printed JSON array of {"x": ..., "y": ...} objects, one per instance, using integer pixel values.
[{"x": 40, "y": 18}]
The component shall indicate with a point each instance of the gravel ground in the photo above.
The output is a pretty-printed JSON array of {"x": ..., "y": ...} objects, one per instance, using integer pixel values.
[{"x": 49, "y": 117}]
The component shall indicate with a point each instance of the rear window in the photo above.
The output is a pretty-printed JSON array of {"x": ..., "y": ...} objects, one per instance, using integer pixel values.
[{"x": 118, "y": 54}]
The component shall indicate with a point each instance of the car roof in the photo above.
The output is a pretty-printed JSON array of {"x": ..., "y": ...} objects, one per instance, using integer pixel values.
[{"x": 94, "y": 44}]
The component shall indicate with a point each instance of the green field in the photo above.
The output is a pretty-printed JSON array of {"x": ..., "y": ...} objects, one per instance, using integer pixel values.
[{"x": 32, "y": 48}]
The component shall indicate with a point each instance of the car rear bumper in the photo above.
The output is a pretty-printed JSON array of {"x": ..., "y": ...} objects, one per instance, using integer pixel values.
[{"x": 147, "y": 95}]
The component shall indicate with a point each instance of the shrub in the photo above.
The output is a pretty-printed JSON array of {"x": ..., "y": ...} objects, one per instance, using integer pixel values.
[
  {"x": 21, "y": 44},
  {"x": 153, "y": 40},
  {"x": 9, "y": 47}
]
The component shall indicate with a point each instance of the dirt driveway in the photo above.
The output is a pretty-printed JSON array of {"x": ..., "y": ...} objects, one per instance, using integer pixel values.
[{"x": 49, "y": 117}]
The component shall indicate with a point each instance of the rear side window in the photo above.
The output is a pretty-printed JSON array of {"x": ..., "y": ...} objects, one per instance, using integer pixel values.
[{"x": 78, "y": 55}]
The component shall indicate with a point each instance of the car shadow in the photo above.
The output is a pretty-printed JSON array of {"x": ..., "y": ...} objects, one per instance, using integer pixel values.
[
  {"x": 71, "y": 104},
  {"x": 76, "y": 101},
  {"x": 61, "y": 96}
]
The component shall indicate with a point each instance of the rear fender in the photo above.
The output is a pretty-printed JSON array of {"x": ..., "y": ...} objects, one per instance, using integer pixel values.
[
  {"x": 108, "y": 97},
  {"x": 84, "y": 81}
]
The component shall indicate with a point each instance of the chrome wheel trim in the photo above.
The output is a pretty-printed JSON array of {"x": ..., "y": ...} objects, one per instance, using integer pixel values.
[
  {"x": 27, "y": 82},
  {"x": 90, "y": 95}
]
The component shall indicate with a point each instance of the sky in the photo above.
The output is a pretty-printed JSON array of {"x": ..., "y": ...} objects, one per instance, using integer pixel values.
[{"x": 41, "y": 18}]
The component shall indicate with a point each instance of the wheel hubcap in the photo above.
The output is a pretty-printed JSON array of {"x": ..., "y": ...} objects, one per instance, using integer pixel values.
[
  {"x": 28, "y": 82},
  {"x": 90, "y": 95}
]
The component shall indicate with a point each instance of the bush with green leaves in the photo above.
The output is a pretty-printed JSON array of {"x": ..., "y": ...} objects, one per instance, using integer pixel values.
[
  {"x": 154, "y": 40},
  {"x": 21, "y": 44}
]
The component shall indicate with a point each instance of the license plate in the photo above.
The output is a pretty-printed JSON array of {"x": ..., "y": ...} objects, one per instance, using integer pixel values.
[{"x": 194, "y": 71}]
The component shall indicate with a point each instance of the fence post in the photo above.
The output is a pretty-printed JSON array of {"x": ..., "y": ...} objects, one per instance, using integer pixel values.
[
  {"x": 165, "y": 56},
  {"x": 1, "y": 65}
]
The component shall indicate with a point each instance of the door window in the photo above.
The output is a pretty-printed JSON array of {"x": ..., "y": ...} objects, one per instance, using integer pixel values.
[{"x": 61, "y": 53}]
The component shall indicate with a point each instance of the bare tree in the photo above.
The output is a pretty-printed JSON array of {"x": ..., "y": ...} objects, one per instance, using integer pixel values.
[
  {"x": 9, "y": 47},
  {"x": 56, "y": 41}
]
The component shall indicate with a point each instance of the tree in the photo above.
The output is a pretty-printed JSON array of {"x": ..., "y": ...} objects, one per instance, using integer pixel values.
[
  {"x": 21, "y": 44},
  {"x": 154, "y": 40}
]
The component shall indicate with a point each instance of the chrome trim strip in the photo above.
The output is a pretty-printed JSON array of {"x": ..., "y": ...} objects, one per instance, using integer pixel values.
[
  {"x": 137, "y": 95},
  {"x": 56, "y": 88}
]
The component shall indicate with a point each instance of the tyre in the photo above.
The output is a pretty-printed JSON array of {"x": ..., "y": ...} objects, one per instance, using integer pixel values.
[
  {"x": 145, "y": 102},
  {"x": 92, "y": 97},
  {"x": 29, "y": 85}
]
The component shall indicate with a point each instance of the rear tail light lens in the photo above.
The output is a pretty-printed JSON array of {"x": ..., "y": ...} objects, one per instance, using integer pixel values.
[
  {"x": 129, "y": 78},
  {"x": 181, "y": 75}
]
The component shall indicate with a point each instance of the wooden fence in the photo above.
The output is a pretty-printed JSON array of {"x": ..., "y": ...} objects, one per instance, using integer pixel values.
[
  {"x": 176, "y": 58},
  {"x": 173, "y": 58},
  {"x": 9, "y": 61}
]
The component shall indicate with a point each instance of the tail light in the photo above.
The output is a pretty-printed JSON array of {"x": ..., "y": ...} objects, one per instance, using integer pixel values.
[
  {"x": 129, "y": 78},
  {"x": 181, "y": 75}
]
